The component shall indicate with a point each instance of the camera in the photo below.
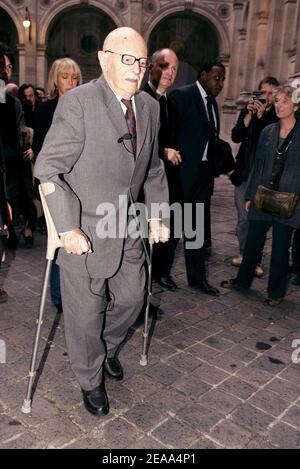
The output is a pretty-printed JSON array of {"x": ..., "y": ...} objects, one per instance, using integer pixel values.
[{"x": 256, "y": 96}]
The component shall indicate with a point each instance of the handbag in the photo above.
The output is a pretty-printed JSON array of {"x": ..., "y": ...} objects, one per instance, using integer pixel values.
[
  {"x": 275, "y": 203},
  {"x": 223, "y": 161},
  {"x": 271, "y": 201}
]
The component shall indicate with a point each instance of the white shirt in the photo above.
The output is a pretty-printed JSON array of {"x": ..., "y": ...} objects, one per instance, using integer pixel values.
[
  {"x": 124, "y": 108},
  {"x": 156, "y": 91},
  {"x": 204, "y": 96}
]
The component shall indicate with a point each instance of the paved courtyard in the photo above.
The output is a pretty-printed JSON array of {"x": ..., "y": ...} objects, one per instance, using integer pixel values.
[{"x": 220, "y": 371}]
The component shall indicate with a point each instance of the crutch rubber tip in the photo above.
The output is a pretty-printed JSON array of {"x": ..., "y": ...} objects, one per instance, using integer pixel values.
[
  {"x": 143, "y": 360},
  {"x": 26, "y": 407}
]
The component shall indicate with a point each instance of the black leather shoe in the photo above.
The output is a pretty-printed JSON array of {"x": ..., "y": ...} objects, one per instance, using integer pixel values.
[
  {"x": 58, "y": 306},
  {"x": 167, "y": 282},
  {"x": 96, "y": 401},
  {"x": 205, "y": 287},
  {"x": 296, "y": 280},
  {"x": 113, "y": 368}
]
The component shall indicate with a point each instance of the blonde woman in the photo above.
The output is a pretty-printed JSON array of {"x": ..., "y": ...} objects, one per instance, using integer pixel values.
[
  {"x": 277, "y": 167},
  {"x": 64, "y": 75}
]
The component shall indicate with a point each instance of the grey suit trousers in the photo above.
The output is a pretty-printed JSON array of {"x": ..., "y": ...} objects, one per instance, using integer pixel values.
[{"x": 93, "y": 328}]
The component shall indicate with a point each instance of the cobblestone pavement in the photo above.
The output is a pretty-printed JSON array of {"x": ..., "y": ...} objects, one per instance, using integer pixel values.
[{"x": 220, "y": 372}]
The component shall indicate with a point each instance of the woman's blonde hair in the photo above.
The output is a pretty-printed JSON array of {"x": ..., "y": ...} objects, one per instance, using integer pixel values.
[
  {"x": 290, "y": 92},
  {"x": 59, "y": 67}
]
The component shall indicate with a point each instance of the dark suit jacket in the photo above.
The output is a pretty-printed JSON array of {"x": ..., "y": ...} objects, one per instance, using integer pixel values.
[
  {"x": 89, "y": 169},
  {"x": 189, "y": 134},
  {"x": 175, "y": 188},
  {"x": 42, "y": 122},
  {"x": 3, "y": 194},
  {"x": 290, "y": 179}
]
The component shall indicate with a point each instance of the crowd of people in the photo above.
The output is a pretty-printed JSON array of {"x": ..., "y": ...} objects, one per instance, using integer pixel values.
[{"x": 90, "y": 144}]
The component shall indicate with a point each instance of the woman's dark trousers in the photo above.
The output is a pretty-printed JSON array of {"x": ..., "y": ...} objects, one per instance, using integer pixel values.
[{"x": 281, "y": 241}]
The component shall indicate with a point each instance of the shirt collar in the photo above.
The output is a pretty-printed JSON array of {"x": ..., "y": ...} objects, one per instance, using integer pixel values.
[
  {"x": 119, "y": 98},
  {"x": 202, "y": 91},
  {"x": 157, "y": 93}
]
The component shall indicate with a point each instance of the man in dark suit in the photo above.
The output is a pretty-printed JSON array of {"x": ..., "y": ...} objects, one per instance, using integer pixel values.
[
  {"x": 162, "y": 74},
  {"x": 99, "y": 152},
  {"x": 194, "y": 132}
]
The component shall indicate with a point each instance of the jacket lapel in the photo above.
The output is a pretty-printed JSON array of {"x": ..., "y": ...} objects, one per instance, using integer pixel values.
[
  {"x": 142, "y": 119},
  {"x": 114, "y": 110},
  {"x": 199, "y": 102}
]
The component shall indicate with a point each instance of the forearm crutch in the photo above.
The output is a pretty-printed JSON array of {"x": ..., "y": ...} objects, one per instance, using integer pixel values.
[
  {"x": 144, "y": 355},
  {"x": 53, "y": 243}
]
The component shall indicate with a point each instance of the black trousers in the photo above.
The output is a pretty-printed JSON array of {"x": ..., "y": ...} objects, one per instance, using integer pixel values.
[
  {"x": 195, "y": 256},
  {"x": 20, "y": 192},
  {"x": 281, "y": 241},
  {"x": 296, "y": 252}
]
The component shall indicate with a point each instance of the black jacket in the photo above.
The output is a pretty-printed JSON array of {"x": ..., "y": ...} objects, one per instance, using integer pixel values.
[
  {"x": 248, "y": 137},
  {"x": 42, "y": 122},
  {"x": 3, "y": 195},
  {"x": 172, "y": 172},
  {"x": 189, "y": 134}
]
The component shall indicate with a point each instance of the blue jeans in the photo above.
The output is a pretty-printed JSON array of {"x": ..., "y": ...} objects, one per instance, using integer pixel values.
[{"x": 242, "y": 223}]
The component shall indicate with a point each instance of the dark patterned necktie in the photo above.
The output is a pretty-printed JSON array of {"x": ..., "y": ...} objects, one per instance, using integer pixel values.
[
  {"x": 163, "y": 132},
  {"x": 211, "y": 129},
  {"x": 131, "y": 123}
]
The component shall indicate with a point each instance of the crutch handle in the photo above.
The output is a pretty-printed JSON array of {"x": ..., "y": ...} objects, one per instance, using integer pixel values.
[{"x": 53, "y": 241}]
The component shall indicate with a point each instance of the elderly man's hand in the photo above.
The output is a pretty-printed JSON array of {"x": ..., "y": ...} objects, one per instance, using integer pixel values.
[
  {"x": 75, "y": 242},
  {"x": 172, "y": 157},
  {"x": 159, "y": 233}
]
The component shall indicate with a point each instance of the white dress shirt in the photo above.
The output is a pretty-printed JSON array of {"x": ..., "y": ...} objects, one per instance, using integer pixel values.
[{"x": 204, "y": 96}]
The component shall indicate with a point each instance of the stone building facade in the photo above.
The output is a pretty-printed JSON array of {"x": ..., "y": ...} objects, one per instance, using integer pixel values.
[{"x": 253, "y": 38}]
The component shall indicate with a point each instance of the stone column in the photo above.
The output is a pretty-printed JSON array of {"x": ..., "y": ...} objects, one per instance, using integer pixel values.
[
  {"x": 274, "y": 42},
  {"x": 22, "y": 65},
  {"x": 250, "y": 49},
  {"x": 41, "y": 66},
  {"x": 261, "y": 42},
  {"x": 296, "y": 41},
  {"x": 289, "y": 13},
  {"x": 136, "y": 15},
  {"x": 233, "y": 89},
  {"x": 30, "y": 46}
]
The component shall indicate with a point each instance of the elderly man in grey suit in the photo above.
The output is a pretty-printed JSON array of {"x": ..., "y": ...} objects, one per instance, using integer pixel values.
[{"x": 101, "y": 149}]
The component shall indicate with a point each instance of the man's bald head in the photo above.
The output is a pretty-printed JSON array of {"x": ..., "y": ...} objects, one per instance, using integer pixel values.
[
  {"x": 12, "y": 89},
  {"x": 124, "y": 79},
  {"x": 163, "y": 69},
  {"x": 120, "y": 36}
]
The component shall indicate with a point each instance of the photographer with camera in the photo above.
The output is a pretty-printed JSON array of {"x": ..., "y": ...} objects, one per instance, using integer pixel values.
[{"x": 258, "y": 113}]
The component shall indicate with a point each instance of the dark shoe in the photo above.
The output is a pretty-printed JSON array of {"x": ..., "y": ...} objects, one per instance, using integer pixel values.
[
  {"x": 12, "y": 240},
  {"x": 3, "y": 296},
  {"x": 96, "y": 401},
  {"x": 28, "y": 241},
  {"x": 113, "y": 368},
  {"x": 58, "y": 306},
  {"x": 229, "y": 284},
  {"x": 167, "y": 282},
  {"x": 207, "y": 251},
  {"x": 273, "y": 301},
  {"x": 205, "y": 287},
  {"x": 296, "y": 280}
]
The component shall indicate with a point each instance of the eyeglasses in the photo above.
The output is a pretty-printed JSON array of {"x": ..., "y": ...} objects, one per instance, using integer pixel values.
[
  {"x": 130, "y": 59},
  {"x": 9, "y": 67}
]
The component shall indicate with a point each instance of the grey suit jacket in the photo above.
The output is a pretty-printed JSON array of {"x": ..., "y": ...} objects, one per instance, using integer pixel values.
[
  {"x": 261, "y": 173},
  {"x": 84, "y": 158}
]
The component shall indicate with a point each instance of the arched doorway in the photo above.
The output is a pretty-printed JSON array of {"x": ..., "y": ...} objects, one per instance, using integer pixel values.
[
  {"x": 9, "y": 36},
  {"x": 193, "y": 38},
  {"x": 79, "y": 33}
]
